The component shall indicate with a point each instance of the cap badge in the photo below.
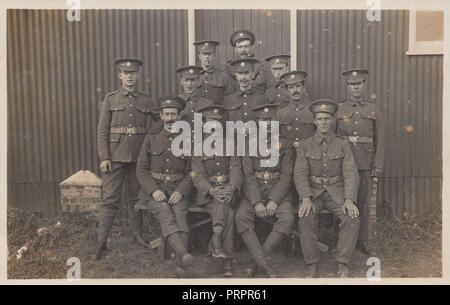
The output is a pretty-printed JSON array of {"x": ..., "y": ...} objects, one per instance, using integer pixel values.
[
  {"x": 206, "y": 44},
  {"x": 292, "y": 75},
  {"x": 191, "y": 71},
  {"x": 354, "y": 73},
  {"x": 216, "y": 111},
  {"x": 128, "y": 63},
  {"x": 266, "y": 109},
  {"x": 241, "y": 34},
  {"x": 277, "y": 60},
  {"x": 169, "y": 101},
  {"x": 242, "y": 64}
]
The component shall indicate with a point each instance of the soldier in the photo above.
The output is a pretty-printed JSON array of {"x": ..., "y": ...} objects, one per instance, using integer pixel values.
[
  {"x": 326, "y": 176},
  {"x": 166, "y": 182},
  {"x": 218, "y": 181},
  {"x": 189, "y": 81},
  {"x": 276, "y": 91},
  {"x": 241, "y": 102},
  {"x": 124, "y": 118},
  {"x": 214, "y": 83},
  {"x": 266, "y": 193},
  {"x": 362, "y": 121},
  {"x": 296, "y": 120},
  {"x": 243, "y": 43}
]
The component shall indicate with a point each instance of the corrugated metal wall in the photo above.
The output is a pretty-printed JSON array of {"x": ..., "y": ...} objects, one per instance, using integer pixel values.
[
  {"x": 271, "y": 28},
  {"x": 408, "y": 87},
  {"x": 58, "y": 75}
]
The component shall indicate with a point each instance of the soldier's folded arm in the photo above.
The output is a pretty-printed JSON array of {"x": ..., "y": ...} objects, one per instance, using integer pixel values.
[
  {"x": 186, "y": 187},
  {"x": 380, "y": 133},
  {"x": 103, "y": 131},
  {"x": 283, "y": 185},
  {"x": 301, "y": 173},
  {"x": 143, "y": 171},
  {"x": 250, "y": 186},
  {"x": 350, "y": 173},
  {"x": 199, "y": 176}
]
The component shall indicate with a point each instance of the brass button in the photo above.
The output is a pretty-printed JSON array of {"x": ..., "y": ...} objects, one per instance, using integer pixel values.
[
  {"x": 355, "y": 132},
  {"x": 245, "y": 113},
  {"x": 206, "y": 90},
  {"x": 167, "y": 160},
  {"x": 131, "y": 105},
  {"x": 131, "y": 114}
]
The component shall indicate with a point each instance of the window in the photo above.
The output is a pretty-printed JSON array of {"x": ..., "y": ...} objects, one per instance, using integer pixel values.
[{"x": 426, "y": 32}]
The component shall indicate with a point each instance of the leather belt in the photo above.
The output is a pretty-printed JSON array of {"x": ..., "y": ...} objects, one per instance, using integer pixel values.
[
  {"x": 218, "y": 179},
  {"x": 358, "y": 139},
  {"x": 267, "y": 175},
  {"x": 325, "y": 180},
  {"x": 128, "y": 130},
  {"x": 167, "y": 177}
]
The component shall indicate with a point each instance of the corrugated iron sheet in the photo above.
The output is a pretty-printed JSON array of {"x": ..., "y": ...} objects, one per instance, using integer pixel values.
[
  {"x": 271, "y": 29},
  {"x": 58, "y": 75},
  {"x": 409, "y": 88}
]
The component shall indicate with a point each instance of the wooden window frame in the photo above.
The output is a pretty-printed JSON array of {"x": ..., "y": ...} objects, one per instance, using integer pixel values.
[{"x": 421, "y": 47}]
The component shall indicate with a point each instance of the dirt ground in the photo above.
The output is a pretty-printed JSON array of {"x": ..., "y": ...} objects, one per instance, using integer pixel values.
[{"x": 411, "y": 248}]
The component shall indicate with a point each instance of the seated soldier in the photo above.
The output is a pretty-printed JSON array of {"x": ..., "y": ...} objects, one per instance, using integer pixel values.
[
  {"x": 326, "y": 176},
  {"x": 166, "y": 183},
  {"x": 267, "y": 192},
  {"x": 218, "y": 180}
]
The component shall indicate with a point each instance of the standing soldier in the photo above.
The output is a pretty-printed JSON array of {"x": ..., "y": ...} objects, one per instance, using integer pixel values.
[
  {"x": 243, "y": 42},
  {"x": 166, "y": 183},
  {"x": 214, "y": 83},
  {"x": 267, "y": 192},
  {"x": 296, "y": 120},
  {"x": 124, "y": 118},
  {"x": 276, "y": 91},
  {"x": 362, "y": 121},
  {"x": 218, "y": 180},
  {"x": 241, "y": 102},
  {"x": 326, "y": 176}
]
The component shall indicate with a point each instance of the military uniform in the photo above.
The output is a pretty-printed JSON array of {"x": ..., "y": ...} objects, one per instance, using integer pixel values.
[
  {"x": 260, "y": 78},
  {"x": 123, "y": 122},
  {"x": 326, "y": 172},
  {"x": 362, "y": 122},
  {"x": 214, "y": 83},
  {"x": 240, "y": 103},
  {"x": 276, "y": 89},
  {"x": 158, "y": 169},
  {"x": 262, "y": 185},
  {"x": 296, "y": 119}
]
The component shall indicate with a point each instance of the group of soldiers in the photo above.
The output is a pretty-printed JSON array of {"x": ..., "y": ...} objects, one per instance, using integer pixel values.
[{"x": 328, "y": 154}]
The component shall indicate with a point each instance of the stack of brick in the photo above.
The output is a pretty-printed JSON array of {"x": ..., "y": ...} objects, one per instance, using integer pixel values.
[{"x": 81, "y": 192}]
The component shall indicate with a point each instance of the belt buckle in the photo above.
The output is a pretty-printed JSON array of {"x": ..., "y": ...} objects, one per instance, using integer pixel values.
[
  {"x": 296, "y": 144},
  {"x": 266, "y": 176},
  {"x": 353, "y": 139},
  {"x": 220, "y": 179},
  {"x": 168, "y": 178},
  {"x": 130, "y": 130},
  {"x": 325, "y": 180}
]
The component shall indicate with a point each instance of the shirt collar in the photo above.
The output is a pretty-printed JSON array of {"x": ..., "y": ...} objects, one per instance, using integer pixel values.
[
  {"x": 249, "y": 91},
  {"x": 187, "y": 97},
  {"x": 211, "y": 69},
  {"x": 319, "y": 137},
  {"x": 301, "y": 104},
  {"x": 361, "y": 101},
  {"x": 124, "y": 91}
]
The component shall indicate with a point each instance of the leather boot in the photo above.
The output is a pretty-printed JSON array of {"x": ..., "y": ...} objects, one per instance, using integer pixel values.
[
  {"x": 228, "y": 268},
  {"x": 364, "y": 247},
  {"x": 104, "y": 227},
  {"x": 293, "y": 246},
  {"x": 272, "y": 241},
  {"x": 343, "y": 271},
  {"x": 257, "y": 252},
  {"x": 142, "y": 241},
  {"x": 311, "y": 271},
  {"x": 217, "y": 249},
  {"x": 269, "y": 271},
  {"x": 176, "y": 243}
]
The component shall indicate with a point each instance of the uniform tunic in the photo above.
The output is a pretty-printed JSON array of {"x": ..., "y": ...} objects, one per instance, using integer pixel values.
[
  {"x": 215, "y": 84},
  {"x": 240, "y": 104},
  {"x": 156, "y": 158},
  {"x": 296, "y": 121},
  {"x": 277, "y": 93},
  {"x": 325, "y": 170}
]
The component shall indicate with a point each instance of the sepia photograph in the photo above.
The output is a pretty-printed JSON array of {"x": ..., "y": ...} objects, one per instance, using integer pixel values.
[{"x": 224, "y": 143}]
